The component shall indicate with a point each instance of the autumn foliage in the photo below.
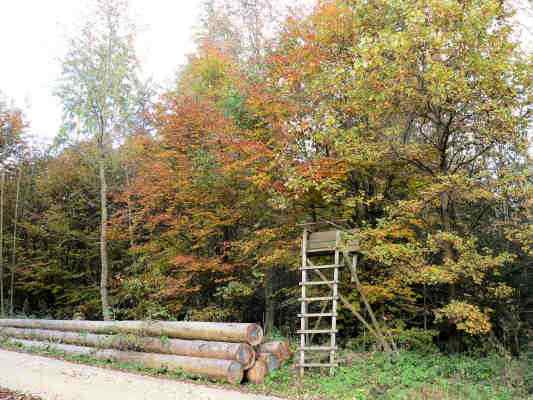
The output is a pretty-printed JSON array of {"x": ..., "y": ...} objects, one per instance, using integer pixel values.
[{"x": 407, "y": 120}]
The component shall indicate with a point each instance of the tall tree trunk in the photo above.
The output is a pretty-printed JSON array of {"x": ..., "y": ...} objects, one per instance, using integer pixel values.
[
  {"x": 2, "y": 183},
  {"x": 269, "y": 304},
  {"x": 128, "y": 205},
  {"x": 447, "y": 225},
  {"x": 106, "y": 310},
  {"x": 14, "y": 253},
  {"x": 445, "y": 211}
]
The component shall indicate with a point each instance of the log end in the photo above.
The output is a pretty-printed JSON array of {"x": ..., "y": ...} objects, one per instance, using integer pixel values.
[
  {"x": 235, "y": 373},
  {"x": 287, "y": 354},
  {"x": 245, "y": 355},
  {"x": 271, "y": 360},
  {"x": 257, "y": 373},
  {"x": 279, "y": 348},
  {"x": 254, "y": 335}
]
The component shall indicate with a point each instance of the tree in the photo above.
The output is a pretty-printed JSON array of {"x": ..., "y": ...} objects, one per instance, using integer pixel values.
[
  {"x": 14, "y": 249},
  {"x": 241, "y": 28},
  {"x": 11, "y": 128},
  {"x": 98, "y": 90},
  {"x": 236, "y": 38},
  {"x": 58, "y": 264},
  {"x": 404, "y": 117},
  {"x": 2, "y": 185}
]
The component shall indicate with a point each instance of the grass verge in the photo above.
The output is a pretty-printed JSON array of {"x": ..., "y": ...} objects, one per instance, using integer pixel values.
[
  {"x": 365, "y": 376},
  {"x": 408, "y": 376}
]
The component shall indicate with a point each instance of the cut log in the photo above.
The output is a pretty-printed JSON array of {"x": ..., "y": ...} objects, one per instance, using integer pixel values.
[
  {"x": 221, "y": 332},
  {"x": 257, "y": 373},
  {"x": 279, "y": 348},
  {"x": 271, "y": 360},
  {"x": 220, "y": 370},
  {"x": 240, "y": 352},
  {"x": 64, "y": 348}
]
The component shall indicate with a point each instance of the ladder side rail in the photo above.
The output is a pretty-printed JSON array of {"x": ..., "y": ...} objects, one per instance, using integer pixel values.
[
  {"x": 334, "y": 305},
  {"x": 303, "y": 306}
]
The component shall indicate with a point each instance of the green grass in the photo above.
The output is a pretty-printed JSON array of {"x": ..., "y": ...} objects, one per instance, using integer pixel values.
[
  {"x": 407, "y": 376},
  {"x": 410, "y": 376}
]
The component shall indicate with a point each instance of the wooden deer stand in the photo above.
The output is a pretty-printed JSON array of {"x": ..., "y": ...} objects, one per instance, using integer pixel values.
[{"x": 327, "y": 245}]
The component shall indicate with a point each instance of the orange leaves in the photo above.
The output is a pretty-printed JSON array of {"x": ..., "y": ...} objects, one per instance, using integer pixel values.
[
  {"x": 190, "y": 264},
  {"x": 188, "y": 122},
  {"x": 363, "y": 112},
  {"x": 11, "y": 126},
  {"x": 377, "y": 293},
  {"x": 324, "y": 168}
]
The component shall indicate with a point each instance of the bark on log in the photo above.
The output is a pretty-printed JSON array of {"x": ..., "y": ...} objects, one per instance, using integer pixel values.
[
  {"x": 279, "y": 348},
  {"x": 65, "y": 348},
  {"x": 271, "y": 360},
  {"x": 257, "y": 373},
  {"x": 220, "y": 370},
  {"x": 221, "y": 332},
  {"x": 240, "y": 352}
]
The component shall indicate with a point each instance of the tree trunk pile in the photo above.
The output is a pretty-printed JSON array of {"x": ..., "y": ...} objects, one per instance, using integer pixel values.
[
  {"x": 224, "y": 332},
  {"x": 219, "y": 351}
]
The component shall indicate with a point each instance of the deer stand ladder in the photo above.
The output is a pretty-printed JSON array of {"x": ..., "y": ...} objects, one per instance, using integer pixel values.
[{"x": 328, "y": 245}]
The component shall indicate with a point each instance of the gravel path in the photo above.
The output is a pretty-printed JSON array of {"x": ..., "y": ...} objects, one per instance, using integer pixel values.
[
  {"x": 60, "y": 380},
  {"x": 10, "y": 395}
]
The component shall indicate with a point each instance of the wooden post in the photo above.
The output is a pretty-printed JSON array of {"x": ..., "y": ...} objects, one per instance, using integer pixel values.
[
  {"x": 303, "y": 307},
  {"x": 335, "y": 293}
]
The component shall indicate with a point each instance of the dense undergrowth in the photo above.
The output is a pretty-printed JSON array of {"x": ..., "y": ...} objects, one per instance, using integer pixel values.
[
  {"x": 410, "y": 375},
  {"x": 365, "y": 375}
]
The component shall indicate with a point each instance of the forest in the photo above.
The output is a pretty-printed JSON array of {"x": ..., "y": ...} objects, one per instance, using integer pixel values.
[{"x": 406, "y": 120}]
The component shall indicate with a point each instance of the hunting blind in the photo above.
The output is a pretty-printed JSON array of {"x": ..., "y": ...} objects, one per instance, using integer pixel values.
[{"x": 323, "y": 255}]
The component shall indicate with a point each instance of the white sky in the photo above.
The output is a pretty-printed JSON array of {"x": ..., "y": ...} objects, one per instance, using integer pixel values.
[{"x": 32, "y": 39}]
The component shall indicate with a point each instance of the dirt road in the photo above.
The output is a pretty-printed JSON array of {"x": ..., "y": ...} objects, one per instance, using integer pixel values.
[{"x": 60, "y": 380}]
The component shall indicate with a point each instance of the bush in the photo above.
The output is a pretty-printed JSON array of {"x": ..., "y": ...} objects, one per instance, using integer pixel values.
[
  {"x": 415, "y": 339},
  {"x": 528, "y": 374},
  {"x": 409, "y": 375}
]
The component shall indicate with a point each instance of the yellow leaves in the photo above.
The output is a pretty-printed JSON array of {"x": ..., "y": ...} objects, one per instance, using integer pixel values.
[
  {"x": 275, "y": 256},
  {"x": 500, "y": 291},
  {"x": 377, "y": 293},
  {"x": 435, "y": 274},
  {"x": 523, "y": 237},
  {"x": 463, "y": 260},
  {"x": 466, "y": 317},
  {"x": 210, "y": 72}
]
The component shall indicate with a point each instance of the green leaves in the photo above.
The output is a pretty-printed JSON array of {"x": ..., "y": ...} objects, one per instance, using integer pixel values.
[{"x": 99, "y": 87}]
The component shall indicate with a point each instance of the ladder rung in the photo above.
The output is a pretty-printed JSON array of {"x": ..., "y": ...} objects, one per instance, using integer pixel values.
[
  {"x": 318, "y": 348},
  {"x": 317, "y": 315},
  {"x": 312, "y": 365},
  {"x": 317, "y": 331},
  {"x": 312, "y": 283},
  {"x": 323, "y": 250},
  {"x": 322, "y": 266},
  {"x": 326, "y": 298}
]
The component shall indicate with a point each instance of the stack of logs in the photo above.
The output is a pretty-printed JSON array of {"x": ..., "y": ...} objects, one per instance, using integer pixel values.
[{"x": 220, "y": 351}]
